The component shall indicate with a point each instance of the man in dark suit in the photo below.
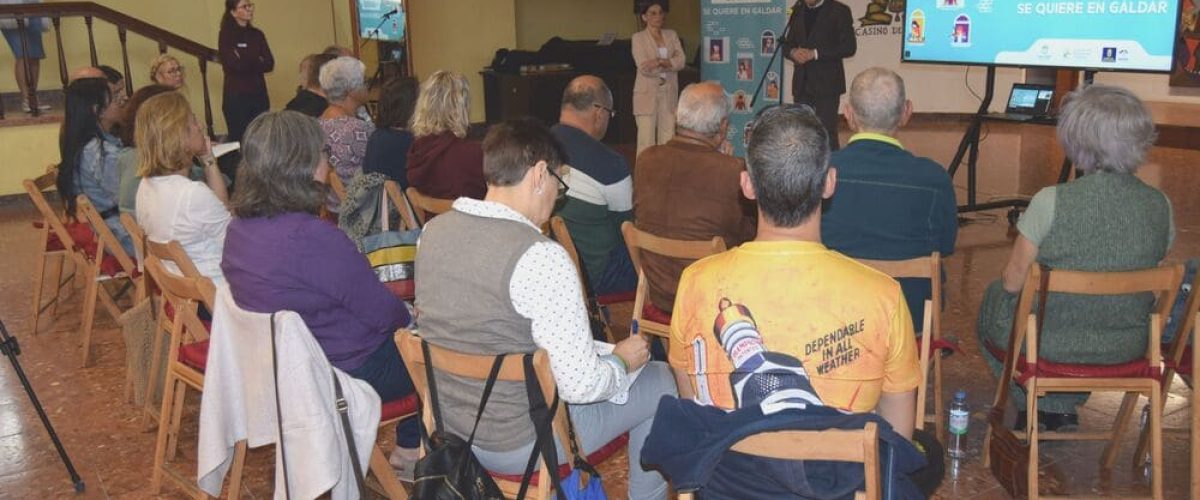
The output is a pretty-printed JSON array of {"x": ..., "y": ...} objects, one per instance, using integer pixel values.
[{"x": 820, "y": 35}]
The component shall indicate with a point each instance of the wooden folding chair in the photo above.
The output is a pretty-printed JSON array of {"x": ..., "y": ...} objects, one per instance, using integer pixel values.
[
  {"x": 477, "y": 367},
  {"x": 104, "y": 261},
  {"x": 1040, "y": 377},
  {"x": 1178, "y": 361},
  {"x": 558, "y": 230},
  {"x": 931, "y": 333},
  {"x": 186, "y": 361},
  {"x": 169, "y": 254},
  {"x": 56, "y": 243},
  {"x": 651, "y": 319},
  {"x": 425, "y": 207},
  {"x": 835, "y": 445},
  {"x": 1195, "y": 486}
]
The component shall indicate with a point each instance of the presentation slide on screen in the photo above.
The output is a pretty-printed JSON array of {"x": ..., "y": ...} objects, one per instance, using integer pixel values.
[
  {"x": 381, "y": 20},
  {"x": 1096, "y": 34}
]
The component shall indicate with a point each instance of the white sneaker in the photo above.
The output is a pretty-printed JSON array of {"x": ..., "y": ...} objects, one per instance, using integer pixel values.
[{"x": 41, "y": 107}]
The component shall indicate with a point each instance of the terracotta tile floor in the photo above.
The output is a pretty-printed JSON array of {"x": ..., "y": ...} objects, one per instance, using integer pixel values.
[{"x": 105, "y": 437}]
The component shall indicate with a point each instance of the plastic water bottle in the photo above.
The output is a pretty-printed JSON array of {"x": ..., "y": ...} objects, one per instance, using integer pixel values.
[{"x": 960, "y": 418}]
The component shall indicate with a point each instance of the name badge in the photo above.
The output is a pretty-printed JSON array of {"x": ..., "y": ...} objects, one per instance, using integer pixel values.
[{"x": 241, "y": 45}]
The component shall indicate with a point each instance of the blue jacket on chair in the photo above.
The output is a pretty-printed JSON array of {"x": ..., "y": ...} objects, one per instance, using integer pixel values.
[{"x": 688, "y": 444}]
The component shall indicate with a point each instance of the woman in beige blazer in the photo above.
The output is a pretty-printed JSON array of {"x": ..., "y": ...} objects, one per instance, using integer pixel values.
[{"x": 659, "y": 57}]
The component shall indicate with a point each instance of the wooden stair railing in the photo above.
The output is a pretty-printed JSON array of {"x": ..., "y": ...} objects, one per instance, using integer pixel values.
[{"x": 90, "y": 11}]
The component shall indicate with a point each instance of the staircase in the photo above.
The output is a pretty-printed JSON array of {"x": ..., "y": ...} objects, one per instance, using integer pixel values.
[{"x": 10, "y": 103}]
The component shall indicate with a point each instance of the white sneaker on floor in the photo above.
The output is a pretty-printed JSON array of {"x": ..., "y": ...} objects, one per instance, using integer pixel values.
[{"x": 41, "y": 107}]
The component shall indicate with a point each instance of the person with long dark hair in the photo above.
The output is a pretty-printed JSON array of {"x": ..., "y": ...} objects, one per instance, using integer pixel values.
[
  {"x": 245, "y": 57},
  {"x": 89, "y": 152}
]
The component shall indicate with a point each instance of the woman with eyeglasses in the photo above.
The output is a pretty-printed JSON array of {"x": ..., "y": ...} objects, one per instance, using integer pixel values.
[
  {"x": 88, "y": 149},
  {"x": 659, "y": 57},
  {"x": 492, "y": 283},
  {"x": 245, "y": 57},
  {"x": 165, "y": 69}
]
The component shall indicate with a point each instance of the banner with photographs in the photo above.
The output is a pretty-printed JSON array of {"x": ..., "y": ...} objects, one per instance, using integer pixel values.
[{"x": 739, "y": 37}]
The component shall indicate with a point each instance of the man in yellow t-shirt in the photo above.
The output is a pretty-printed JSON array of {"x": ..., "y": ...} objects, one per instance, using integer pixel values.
[{"x": 748, "y": 320}]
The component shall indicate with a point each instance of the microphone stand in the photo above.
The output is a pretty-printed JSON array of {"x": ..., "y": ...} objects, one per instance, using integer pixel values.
[
  {"x": 375, "y": 30},
  {"x": 10, "y": 348},
  {"x": 787, "y": 28}
]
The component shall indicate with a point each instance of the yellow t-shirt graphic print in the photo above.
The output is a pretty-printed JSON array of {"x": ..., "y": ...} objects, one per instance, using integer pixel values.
[{"x": 846, "y": 323}]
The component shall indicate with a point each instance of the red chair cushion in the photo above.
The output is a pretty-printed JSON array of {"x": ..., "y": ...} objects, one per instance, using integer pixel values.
[
  {"x": 596, "y": 457},
  {"x": 616, "y": 298},
  {"x": 940, "y": 345},
  {"x": 194, "y": 355},
  {"x": 1185, "y": 363},
  {"x": 169, "y": 311},
  {"x": 403, "y": 289},
  {"x": 1138, "y": 368},
  {"x": 399, "y": 407},
  {"x": 652, "y": 313}
]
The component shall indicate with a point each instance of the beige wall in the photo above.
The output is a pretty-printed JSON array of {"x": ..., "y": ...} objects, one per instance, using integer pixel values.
[
  {"x": 539, "y": 20},
  {"x": 460, "y": 36}
]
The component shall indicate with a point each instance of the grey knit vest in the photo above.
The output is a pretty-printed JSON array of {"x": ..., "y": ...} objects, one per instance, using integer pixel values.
[
  {"x": 464, "y": 266},
  {"x": 1103, "y": 222}
]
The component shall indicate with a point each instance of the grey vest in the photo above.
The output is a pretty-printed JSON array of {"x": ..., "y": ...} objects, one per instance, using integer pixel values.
[
  {"x": 1102, "y": 222},
  {"x": 464, "y": 266}
]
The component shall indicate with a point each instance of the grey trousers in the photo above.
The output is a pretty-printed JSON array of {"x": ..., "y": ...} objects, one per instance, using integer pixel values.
[{"x": 598, "y": 423}]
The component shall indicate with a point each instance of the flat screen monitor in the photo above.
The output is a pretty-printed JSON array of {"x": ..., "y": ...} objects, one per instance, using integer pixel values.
[
  {"x": 1105, "y": 35},
  {"x": 381, "y": 20}
]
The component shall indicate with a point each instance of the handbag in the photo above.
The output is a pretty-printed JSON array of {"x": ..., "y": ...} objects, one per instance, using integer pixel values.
[
  {"x": 1008, "y": 456},
  {"x": 450, "y": 470},
  {"x": 139, "y": 326},
  {"x": 392, "y": 255}
]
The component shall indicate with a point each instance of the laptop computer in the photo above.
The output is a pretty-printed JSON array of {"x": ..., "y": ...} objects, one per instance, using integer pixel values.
[{"x": 1028, "y": 101}]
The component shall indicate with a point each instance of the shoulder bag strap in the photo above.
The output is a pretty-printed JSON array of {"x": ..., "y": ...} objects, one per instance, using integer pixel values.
[
  {"x": 543, "y": 424},
  {"x": 342, "y": 409},
  {"x": 279, "y": 412},
  {"x": 432, "y": 383},
  {"x": 579, "y": 460},
  {"x": 487, "y": 393}
]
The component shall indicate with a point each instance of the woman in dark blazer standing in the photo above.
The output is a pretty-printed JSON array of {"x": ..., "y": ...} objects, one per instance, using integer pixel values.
[{"x": 245, "y": 57}]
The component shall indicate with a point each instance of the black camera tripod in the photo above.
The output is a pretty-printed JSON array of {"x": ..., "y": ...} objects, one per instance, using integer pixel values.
[{"x": 10, "y": 348}]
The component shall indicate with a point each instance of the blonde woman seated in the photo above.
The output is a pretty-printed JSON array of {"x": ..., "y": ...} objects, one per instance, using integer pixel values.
[
  {"x": 442, "y": 162},
  {"x": 169, "y": 205},
  {"x": 166, "y": 70}
]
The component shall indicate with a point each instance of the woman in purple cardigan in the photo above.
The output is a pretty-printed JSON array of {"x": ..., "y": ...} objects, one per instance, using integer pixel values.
[
  {"x": 279, "y": 255},
  {"x": 245, "y": 57}
]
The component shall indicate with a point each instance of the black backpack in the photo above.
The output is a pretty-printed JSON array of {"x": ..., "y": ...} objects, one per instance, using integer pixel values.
[{"x": 450, "y": 470}]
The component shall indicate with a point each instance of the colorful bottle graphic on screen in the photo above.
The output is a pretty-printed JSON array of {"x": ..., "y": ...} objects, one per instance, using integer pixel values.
[{"x": 1128, "y": 35}]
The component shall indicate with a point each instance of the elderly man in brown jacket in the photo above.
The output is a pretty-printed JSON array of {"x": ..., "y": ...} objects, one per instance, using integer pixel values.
[{"x": 688, "y": 188}]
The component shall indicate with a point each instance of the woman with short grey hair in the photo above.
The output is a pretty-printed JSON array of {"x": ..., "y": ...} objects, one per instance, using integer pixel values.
[
  {"x": 343, "y": 81},
  {"x": 1107, "y": 220}
]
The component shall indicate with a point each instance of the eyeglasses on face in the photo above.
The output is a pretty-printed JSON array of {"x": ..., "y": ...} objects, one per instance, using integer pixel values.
[
  {"x": 562, "y": 185},
  {"x": 174, "y": 70},
  {"x": 612, "y": 113}
]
